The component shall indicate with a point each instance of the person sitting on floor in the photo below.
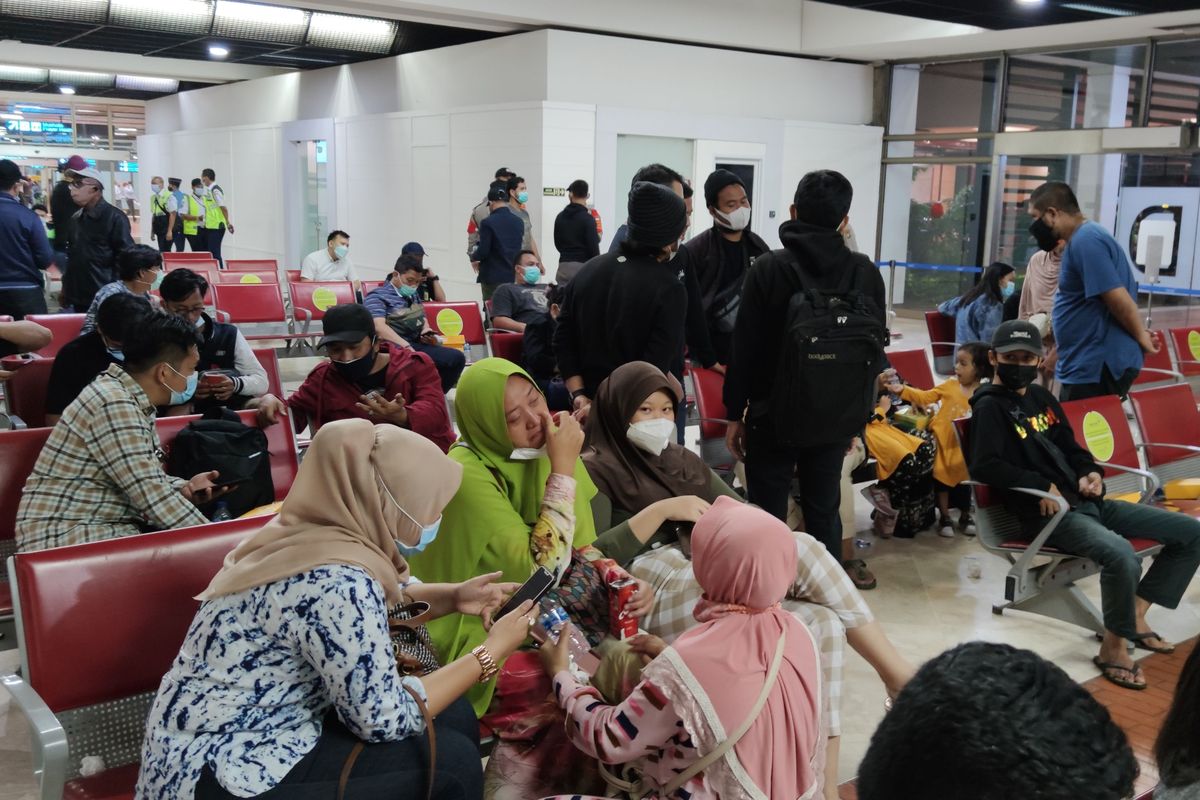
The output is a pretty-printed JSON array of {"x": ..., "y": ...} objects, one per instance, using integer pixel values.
[
  {"x": 1020, "y": 438},
  {"x": 904, "y": 465},
  {"x": 977, "y": 312},
  {"x": 400, "y": 319},
  {"x": 517, "y": 304},
  {"x": 140, "y": 269},
  {"x": 987, "y": 721},
  {"x": 233, "y": 375},
  {"x": 747, "y": 663},
  {"x": 81, "y": 360},
  {"x": 1177, "y": 750},
  {"x": 367, "y": 379},
  {"x": 971, "y": 370},
  {"x": 288, "y": 669},
  {"x": 651, "y": 491},
  {"x": 100, "y": 475}
]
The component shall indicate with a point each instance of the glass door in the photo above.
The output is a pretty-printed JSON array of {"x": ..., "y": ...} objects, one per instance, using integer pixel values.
[{"x": 312, "y": 157}]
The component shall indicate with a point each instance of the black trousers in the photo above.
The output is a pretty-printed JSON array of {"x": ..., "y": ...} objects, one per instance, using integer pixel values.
[
  {"x": 158, "y": 227},
  {"x": 1107, "y": 385},
  {"x": 212, "y": 241},
  {"x": 19, "y": 302},
  {"x": 198, "y": 241},
  {"x": 178, "y": 239},
  {"x": 769, "y": 471},
  {"x": 385, "y": 771}
]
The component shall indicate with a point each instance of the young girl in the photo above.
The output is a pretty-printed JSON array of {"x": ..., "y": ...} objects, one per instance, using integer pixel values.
[
  {"x": 971, "y": 368},
  {"x": 980, "y": 311}
]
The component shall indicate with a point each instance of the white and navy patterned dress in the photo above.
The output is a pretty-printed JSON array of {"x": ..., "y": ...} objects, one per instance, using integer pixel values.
[{"x": 258, "y": 671}]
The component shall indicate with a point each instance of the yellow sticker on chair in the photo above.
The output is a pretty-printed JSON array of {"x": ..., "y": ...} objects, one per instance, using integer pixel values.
[
  {"x": 1194, "y": 344},
  {"x": 1098, "y": 436},
  {"x": 250, "y": 279},
  {"x": 449, "y": 322},
  {"x": 323, "y": 299}
]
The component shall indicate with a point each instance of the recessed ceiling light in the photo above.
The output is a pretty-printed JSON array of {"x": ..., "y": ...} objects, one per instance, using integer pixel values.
[
  {"x": 1031, "y": 2},
  {"x": 67, "y": 89},
  {"x": 127, "y": 130},
  {"x": 218, "y": 50},
  {"x": 1093, "y": 8}
]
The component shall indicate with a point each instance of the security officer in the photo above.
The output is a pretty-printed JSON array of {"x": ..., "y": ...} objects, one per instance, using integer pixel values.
[
  {"x": 193, "y": 213},
  {"x": 175, "y": 235},
  {"x": 216, "y": 215}
]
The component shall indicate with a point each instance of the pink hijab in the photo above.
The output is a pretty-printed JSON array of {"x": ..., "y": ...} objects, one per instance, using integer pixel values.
[{"x": 745, "y": 560}]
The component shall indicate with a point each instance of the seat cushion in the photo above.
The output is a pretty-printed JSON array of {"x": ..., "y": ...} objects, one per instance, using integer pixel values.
[{"x": 112, "y": 784}]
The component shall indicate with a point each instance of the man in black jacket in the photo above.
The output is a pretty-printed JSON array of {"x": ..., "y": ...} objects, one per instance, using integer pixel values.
[
  {"x": 101, "y": 232},
  {"x": 813, "y": 237},
  {"x": 575, "y": 235},
  {"x": 1020, "y": 438},
  {"x": 722, "y": 255}
]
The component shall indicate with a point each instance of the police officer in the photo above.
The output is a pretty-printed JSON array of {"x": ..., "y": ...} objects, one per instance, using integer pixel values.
[{"x": 175, "y": 231}]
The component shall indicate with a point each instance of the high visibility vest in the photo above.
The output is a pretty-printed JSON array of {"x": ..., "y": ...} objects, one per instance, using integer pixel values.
[
  {"x": 191, "y": 226},
  {"x": 158, "y": 204},
  {"x": 213, "y": 218}
]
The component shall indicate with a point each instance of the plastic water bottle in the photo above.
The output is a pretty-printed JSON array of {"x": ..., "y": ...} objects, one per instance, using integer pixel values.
[
  {"x": 467, "y": 351},
  {"x": 553, "y": 621},
  {"x": 222, "y": 512},
  {"x": 863, "y": 544}
]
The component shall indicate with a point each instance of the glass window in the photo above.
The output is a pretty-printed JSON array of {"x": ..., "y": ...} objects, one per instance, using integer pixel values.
[
  {"x": 1098, "y": 88},
  {"x": 956, "y": 97},
  {"x": 1175, "y": 87}
]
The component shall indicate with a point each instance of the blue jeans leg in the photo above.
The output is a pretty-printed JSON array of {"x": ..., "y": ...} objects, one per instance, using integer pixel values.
[{"x": 449, "y": 362}]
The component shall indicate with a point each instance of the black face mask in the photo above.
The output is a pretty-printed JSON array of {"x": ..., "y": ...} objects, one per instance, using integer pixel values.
[
  {"x": 1046, "y": 239},
  {"x": 1016, "y": 376},
  {"x": 358, "y": 369}
]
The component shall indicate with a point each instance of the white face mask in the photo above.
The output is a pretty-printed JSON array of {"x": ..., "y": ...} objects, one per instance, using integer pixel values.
[
  {"x": 527, "y": 453},
  {"x": 736, "y": 220},
  {"x": 651, "y": 435}
]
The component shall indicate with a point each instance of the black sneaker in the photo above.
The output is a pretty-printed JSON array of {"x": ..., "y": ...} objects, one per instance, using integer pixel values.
[{"x": 860, "y": 576}]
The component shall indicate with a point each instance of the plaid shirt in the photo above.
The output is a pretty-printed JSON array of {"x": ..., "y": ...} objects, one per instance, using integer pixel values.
[{"x": 100, "y": 474}]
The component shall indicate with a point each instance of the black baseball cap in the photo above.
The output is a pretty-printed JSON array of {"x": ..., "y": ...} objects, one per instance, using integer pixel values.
[
  {"x": 1017, "y": 334},
  {"x": 349, "y": 323},
  {"x": 498, "y": 192}
]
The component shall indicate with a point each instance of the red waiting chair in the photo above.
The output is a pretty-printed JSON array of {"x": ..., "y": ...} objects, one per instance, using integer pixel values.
[
  {"x": 1041, "y": 579},
  {"x": 311, "y": 299},
  {"x": 507, "y": 345},
  {"x": 941, "y": 341},
  {"x": 1170, "y": 427},
  {"x": 25, "y": 391},
  {"x": 65, "y": 327},
  {"x": 270, "y": 362},
  {"x": 1157, "y": 369},
  {"x": 252, "y": 265},
  {"x": 248, "y": 276},
  {"x": 912, "y": 367},
  {"x": 200, "y": 255},
  {"x": 1101, "y": 427},
  {"x": 99, "y": 624},
  {"x": 461, "y": 317},
  {"x": 19, "y": 451},
  {"x": 242, "y": 303},
  {"x": 710, "y": 405},
  {"x": 293, "y": 275}
]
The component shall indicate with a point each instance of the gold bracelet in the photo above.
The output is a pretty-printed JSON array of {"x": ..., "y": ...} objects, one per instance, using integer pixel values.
[{"x": 487, "y": 664}]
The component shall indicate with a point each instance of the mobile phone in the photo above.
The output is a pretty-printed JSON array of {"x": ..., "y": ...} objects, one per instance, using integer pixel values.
[
  {"x": 533, "y": 589},
  {"x": 212, "y": 378},
  {"x": 233, "y": 482},
  {"x": 374, "y": 393}
]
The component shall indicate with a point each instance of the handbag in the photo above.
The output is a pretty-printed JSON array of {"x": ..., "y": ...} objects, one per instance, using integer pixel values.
[
  {"x": 635, "y": 788},
  {"x": 414, "y": 656}
]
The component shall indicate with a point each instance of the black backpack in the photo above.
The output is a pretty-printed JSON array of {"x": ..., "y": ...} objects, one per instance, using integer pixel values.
[
  {"x": 829, "y": 362},
  {"x": 222, "y": 442}
]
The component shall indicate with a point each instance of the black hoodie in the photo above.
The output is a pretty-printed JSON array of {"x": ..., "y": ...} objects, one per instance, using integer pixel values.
[
  {"x": 770, "y": 283},
  {"x": 1004, "y": 452}
]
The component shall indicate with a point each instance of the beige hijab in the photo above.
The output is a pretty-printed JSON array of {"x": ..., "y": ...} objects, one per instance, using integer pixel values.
[{"x": 338, "y": 512}]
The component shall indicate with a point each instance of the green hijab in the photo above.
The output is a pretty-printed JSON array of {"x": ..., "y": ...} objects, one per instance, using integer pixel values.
[{"x": 486, "y": 526}]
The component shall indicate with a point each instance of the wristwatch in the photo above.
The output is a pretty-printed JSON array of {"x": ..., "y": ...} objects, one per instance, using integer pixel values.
[
  {"x": 487, "y": 664},
  {"x": 577, "y": 394}
]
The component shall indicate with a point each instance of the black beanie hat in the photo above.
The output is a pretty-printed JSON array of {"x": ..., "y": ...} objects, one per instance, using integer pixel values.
[
  {"x": 718, "y": 181},
  {"x": 657, "y": 216}
]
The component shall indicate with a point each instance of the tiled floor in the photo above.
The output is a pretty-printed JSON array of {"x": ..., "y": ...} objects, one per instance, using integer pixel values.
[{"x": 925, "y": 601}]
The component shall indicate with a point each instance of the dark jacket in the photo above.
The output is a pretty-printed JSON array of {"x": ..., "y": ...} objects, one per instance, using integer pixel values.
[
  {"x": 500, "y": 238},
  {"x": 575, "y": 235},
  {"x": 620, "y": 309},
  {"x": 76, "y": 365},
  {"x": 720, "y": 284},
  {"x": 24, "y": 249},
  {"x": 101, "y": 233},
  {"x": 768, "y": 290},
  {"x": 537, "y": 349},
  {"x": 62, "y": 209},
  {"x": 1003, "y": 450}
]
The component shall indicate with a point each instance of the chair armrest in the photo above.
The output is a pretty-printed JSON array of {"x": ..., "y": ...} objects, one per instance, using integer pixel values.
[
  {"x": 296, "y": 312},
  {"x": 1149, "y": 476},
  {"x": 944, "y": 344},
  {"x": 1178, "y": 376},
  {"x": 1023, "y": 563},
  {"x": 222, "y": 316},
  {"x": 51, "y": 755},
  {"x": 714, "y": 421},
  {"x": 1191, "y": 448}
]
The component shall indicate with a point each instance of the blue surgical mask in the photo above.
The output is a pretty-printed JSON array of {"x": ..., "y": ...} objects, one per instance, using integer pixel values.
[
  {"x": 428, "y": 532},
  {"x": 179, "y": 398},
  {"x": 522, "y": 197},
  {"x": 532, "y": 274},
  {"x": 1008, "y": 290},
  {"x": 116, "y": 353},
  {"x": 340, "y": 251},
  {"x": 407, "y": 291}
]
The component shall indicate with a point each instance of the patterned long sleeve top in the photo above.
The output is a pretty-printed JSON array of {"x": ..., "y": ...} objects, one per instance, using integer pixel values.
[
  {"x": 256, "y": 675},
  {"x": 644, "y": 731}
]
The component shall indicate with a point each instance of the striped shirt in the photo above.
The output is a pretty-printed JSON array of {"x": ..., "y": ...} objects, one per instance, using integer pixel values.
[{"x": 100, "y": 474}]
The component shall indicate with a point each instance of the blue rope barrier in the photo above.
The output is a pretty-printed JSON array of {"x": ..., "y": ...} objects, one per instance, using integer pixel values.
[{"x": 930, "y": 267}]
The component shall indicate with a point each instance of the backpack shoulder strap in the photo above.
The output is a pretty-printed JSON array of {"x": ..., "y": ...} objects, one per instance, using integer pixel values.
[{"x": 806, "y": 286}]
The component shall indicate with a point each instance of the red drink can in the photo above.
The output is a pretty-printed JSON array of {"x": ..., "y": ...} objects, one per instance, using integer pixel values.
[{"x": 620, "y": 592}]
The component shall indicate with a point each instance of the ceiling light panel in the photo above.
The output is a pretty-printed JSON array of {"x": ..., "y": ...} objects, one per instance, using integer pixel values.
[
  {"x": 137, "y": 83},
  {"x": 1095, "y": 8},
  {"x": 94, "y": 11},
  {"x": 77, "y": 78},
  {"x": 23, "y": 74},
  {"x": 360, "y": 34},
  {"x": 260, "y": 23},
  {"x": 192, "y": 17}
]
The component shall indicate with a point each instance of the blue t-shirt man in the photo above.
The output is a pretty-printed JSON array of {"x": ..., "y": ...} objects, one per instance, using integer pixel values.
[{"x": 1089, "y": 338}]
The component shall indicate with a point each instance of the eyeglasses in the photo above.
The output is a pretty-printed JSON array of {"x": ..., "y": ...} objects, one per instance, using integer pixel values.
[
  {"x": 81, "y": 185},
  {"x": 187, "y": 310}
]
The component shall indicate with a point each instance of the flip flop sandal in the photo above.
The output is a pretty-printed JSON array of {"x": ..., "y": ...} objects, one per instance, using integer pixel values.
[
  {"x": 1140, "y": 642},
  {"x": 1105, "y": 666}
]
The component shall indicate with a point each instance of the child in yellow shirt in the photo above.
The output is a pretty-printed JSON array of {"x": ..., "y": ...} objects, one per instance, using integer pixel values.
[{"x": 971, "y": 369}]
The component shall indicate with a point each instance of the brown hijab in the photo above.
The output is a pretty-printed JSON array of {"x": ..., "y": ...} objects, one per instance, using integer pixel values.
[
  {"x": 630, "y": 477},
  {"x": 338, "y": 511}
]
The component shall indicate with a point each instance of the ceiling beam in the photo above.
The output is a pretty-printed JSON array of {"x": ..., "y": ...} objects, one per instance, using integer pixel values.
[{"x": 46, "y": 56}]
